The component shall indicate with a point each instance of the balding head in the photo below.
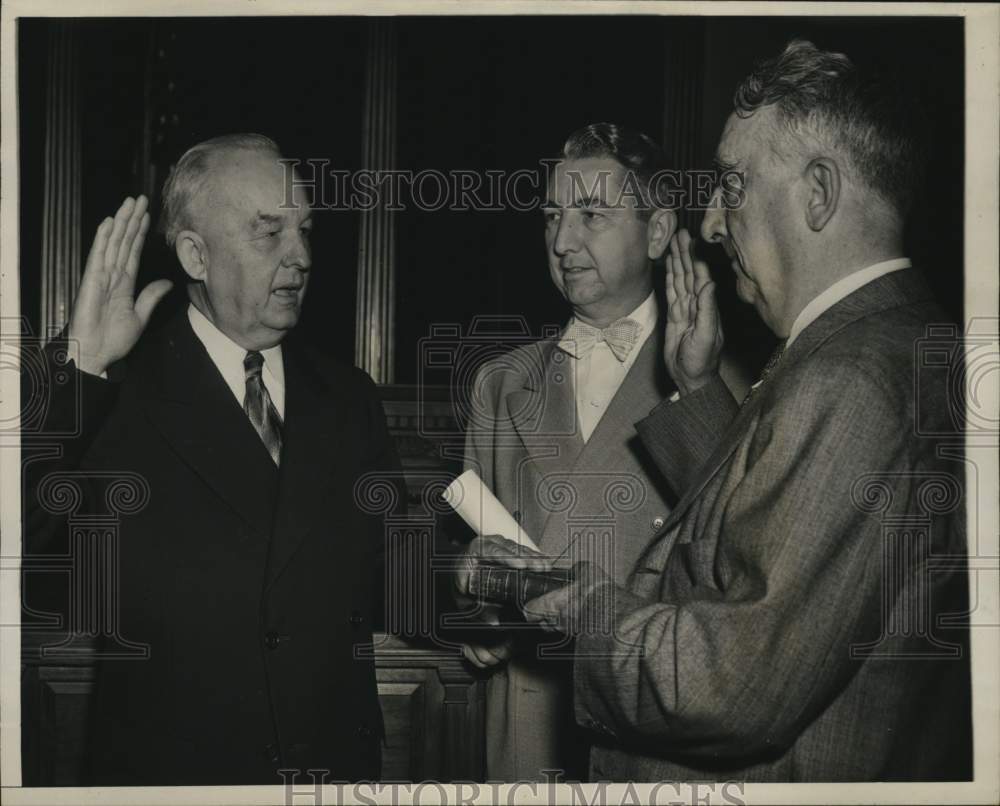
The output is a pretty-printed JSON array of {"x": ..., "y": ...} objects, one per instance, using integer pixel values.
[
  {"x": 191, "y": 178},
  {"x": 242, "y": 237}
]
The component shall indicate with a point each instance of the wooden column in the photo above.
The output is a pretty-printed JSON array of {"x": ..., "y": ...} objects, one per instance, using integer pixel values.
[
  {"x": 61, "y": 262},
  {"x": 376, "y": 303},
  {"x": 684, "y": 50}
]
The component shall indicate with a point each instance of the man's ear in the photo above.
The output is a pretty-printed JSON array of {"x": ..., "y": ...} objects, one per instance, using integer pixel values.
[
  {"x": 660, "y": 229},
  {"x": 192, "y": 254},
  {"x": 823, "y": 182}
]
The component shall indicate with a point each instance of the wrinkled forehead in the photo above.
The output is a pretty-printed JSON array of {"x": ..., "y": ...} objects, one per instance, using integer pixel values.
[
  {"x": 594, "y": 181},
  {"x": 742, "y": 136}
]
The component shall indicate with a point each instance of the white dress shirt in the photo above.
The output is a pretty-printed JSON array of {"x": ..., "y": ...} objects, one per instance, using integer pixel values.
[
  {"x": 228, "y": 356},
  {"x": 598, "y": 375},
  {"x": 840, "y": 289}
]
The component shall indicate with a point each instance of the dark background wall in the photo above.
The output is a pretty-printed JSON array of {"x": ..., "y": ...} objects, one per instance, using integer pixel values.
[{"x": 474, "y": 93}]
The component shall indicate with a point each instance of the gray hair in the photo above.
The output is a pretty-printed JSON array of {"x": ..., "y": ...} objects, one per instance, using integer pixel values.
[
  {"x": 821, "y": 96},
  {"x": 190, "y": 175}
]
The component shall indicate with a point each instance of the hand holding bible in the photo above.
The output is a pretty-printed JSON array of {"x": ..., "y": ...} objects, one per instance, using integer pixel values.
[
  {"x": 585, "y": 604},
  {"x": 485, "y": 555}
]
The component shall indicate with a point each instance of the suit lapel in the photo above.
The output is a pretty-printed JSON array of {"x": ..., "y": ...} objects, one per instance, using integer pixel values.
[
  {"x": 188, "y": 401},
  {"x": 543, "y": 412},
  {"x": 312, "y": 434},
  {"x": 643, "y": 389},
  {"x": 892, "y": 290}
]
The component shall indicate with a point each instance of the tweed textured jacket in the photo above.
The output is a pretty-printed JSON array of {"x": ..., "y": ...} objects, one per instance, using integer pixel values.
[{"x": 791, "y": 622}]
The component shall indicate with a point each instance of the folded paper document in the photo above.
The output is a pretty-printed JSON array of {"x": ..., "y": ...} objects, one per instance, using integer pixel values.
[{"x": 479, "y": 508}]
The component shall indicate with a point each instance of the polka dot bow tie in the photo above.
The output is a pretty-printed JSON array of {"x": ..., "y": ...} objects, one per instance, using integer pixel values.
[{"x": 580, "y": 338}]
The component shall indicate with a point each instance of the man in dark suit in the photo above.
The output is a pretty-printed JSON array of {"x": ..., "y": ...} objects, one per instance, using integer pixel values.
[
  {"x": 251, "y": 572},
  {"x": 784, "y": 625}
]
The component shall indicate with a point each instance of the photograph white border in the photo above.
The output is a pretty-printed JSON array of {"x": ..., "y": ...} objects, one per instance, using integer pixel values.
[{"x": 982, "y": 259}]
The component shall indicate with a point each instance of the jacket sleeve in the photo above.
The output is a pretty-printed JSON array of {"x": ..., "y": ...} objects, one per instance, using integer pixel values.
[
  {"x": 66, "y": 409},
  {"x": 681, "y": 434},
  {"x": 744, "y": 660}
]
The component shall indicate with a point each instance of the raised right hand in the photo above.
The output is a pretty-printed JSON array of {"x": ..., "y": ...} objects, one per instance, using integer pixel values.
[
  {"x": 107, "y": 319},
  {"x": 693, "y": 340}
]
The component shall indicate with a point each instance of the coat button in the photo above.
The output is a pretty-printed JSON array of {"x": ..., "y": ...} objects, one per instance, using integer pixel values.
[
  {"x": 272, "y": 640},
  {"x": 271, "y": 753},
  {"x": 365, "y": 732},
  {"x": 356, "y": 618},
  {"x": 517, "y": 515},
  {"x": 658, "y": 523}
]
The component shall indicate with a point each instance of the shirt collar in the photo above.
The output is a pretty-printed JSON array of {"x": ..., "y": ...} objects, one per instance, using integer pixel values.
[
  {"x": 840, "y": 289},
  {"x": 645, "y": 315},
  {"x": 228, "y": 356}
]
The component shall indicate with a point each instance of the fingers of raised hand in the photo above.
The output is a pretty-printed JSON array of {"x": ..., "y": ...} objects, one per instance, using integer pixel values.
[
  {"x": 675, "y": 252},
  {"x": 121, "y": 222},
  {"x": 669, "y": 283},
  {"x": 685, "y": 249},
  {"x": 135, "y": 236},
  {"x": 702, "y": 276},
  {"x": 708, "y": 325},
  {"x": 677, "y": 273},
  {"x": 95, "y": 260}
]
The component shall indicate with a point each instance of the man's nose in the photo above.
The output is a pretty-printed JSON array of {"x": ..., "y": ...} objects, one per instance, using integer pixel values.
[
  {"x": 713, "y": 227},
  {"x": 567, "y": 235},
  {"x": 299, "y": 254}
]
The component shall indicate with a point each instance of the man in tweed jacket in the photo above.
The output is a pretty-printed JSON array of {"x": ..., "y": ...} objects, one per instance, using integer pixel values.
[{"x": 798, "y": 618}]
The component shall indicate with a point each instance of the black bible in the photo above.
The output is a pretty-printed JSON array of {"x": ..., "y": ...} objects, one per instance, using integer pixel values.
[{"x": 501, "y": 584}]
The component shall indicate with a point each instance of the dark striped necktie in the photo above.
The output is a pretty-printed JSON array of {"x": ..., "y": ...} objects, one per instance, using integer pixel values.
[
  {"x": 258, "y": 406},
  {"x": 772, "y": 362}
]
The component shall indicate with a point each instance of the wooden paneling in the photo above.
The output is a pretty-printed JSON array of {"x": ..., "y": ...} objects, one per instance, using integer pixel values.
[
  {"x": 55, "y": 699},
  {"x": 432, "y": 706}
]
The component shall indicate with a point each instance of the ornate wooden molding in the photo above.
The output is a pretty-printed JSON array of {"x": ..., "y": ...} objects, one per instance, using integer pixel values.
[
  {"x": 61, "y": 256},
  {"x": 682, "y": 103},
  {"x": 376, "y": 295}
]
